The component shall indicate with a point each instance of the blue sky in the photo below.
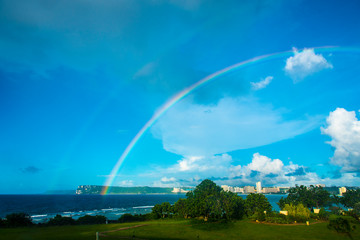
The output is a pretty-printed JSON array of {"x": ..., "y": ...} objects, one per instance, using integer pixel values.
[{"x": 79, "y": 79}]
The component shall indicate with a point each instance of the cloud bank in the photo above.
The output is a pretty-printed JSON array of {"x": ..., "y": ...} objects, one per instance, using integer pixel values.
[
  {"x": 220, "y": 168},
  {"x": 344, "y": 129},
  {"x": 191, "y": 129}
]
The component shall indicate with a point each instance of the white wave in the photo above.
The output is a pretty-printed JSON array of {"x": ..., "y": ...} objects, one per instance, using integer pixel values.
[
  {"x": 37, "y": 216},
  {"x": 108, "y": 209},
  {"x": 144, "y": 207}
]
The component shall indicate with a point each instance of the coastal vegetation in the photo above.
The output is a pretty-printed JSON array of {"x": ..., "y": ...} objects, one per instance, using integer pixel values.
[{"x": 212, "y": 213}]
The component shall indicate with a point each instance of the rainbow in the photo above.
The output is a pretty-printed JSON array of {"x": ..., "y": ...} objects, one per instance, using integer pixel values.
[{"x": 193, "y": 87}]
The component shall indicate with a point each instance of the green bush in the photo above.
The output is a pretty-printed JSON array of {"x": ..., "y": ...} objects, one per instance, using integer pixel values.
[
  {"x": 298, "y": 213},
  {"x": 127, "y": 217},
  {"x": 260, "y": 216},
  {"x": 335, "y": 210},
  {"x": 341, "y": 225},
  {"x": 277, "y": 218},
  {"x": 356, "y": 211},
  {"x": 18, "y": 220},
  {"x": 59, "y": 220},
  {"x": 87, "y": 219},
  {"x": 322, "y": 215}
]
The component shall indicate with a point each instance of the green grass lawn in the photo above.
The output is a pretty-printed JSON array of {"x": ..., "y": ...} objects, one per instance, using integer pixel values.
[{"x": 181, "y": 229}]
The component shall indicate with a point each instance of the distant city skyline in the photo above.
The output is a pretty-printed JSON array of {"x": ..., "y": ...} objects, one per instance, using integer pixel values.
[{"x": 83, "y": 83}]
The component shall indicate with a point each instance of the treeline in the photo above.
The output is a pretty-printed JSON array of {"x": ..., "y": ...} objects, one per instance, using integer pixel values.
[{"x": 209, "y": 202}]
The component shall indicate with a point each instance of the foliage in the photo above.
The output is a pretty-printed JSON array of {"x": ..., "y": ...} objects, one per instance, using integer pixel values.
[
  {"x": 350, "y": 198},
  {"x": 127, "y": 217},
  {"x": 207, "y": 201},
  {"x": 298, "y": 212},
  {"x": 256, "y": 203},
  {"x": 258, "y": 216},
  {"x": 309, "y": 197},
  {"x": 162, "y": 210},
  {"x": 356, "y": 211},
  {"x": 275, "y": 217},
  {"x": 233, "y": 205},
  {"x": 18, "y": 220},
  {"x": 341, "y": 225},
  {"x": 181, "y": 208},
  {"x": 323, "y": 214},
  {"x": 156, "y": 211},
  {"x": 335, "y": 210},
  {"x": 87, "y": 219},
  {"x": 166, "y": 209},
  {"x": 59, "y": 220}
]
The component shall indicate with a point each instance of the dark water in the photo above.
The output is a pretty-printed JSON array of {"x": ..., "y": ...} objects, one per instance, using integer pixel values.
[{"x": 43, "y": 207}]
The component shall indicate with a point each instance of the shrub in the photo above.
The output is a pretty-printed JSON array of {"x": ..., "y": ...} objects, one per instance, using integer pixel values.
[
  {"x": 356, "y": 211},
  {"x": 322, "y": 215},
  {"x": 87, "y": 219},
  {"x": 277, "y": 218},
  {"x": 59, "y": 220},
  {"x": 18, "y": 220},
  {"x": 341, "y": 225},
  {"x": 298, "y": 212},
  {"x": 335, "y": 210},
  {"x": 127, "y": 217},
  {"x": 260, "y": 216}
]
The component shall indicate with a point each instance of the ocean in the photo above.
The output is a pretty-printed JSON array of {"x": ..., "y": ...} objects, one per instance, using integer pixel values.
[{"x": 43, "y": 207}]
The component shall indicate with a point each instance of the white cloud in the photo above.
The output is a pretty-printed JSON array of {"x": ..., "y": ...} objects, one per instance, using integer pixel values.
[
  {"x": 271, "y": 172},
  {"x": 191, "y": 129},
  {"x": 127, "y": 183},
  {"x": 165, "y": 179},
  {"x": 305, "y": 63},
  {"x": 344, "y": 129},
  {"x": 211, "y": 165},
  {"x": 265, "y": 165},
  {"x": 262, "y": 84}
]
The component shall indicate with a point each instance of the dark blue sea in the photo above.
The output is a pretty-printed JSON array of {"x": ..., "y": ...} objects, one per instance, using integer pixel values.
[{"x": 43, "y": 207}]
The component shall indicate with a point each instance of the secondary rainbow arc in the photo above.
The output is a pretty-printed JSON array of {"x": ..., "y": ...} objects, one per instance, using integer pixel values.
[{"x": 196, "y": 85}]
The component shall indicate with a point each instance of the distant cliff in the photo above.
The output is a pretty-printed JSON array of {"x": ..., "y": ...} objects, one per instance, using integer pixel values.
[{"x": 93, "y": 189}]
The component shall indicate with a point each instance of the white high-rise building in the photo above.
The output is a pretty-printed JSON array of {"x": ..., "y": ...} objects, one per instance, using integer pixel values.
[
  {"x": 342, "y": 190},
  {"x": 258, "y": 187}
]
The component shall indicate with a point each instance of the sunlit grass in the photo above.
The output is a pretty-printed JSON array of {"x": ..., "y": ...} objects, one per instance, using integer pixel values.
[{"x": 181, "y": 229}]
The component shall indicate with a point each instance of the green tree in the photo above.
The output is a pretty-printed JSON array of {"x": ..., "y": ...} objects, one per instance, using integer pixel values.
[
  {"x": 181, "y": 208},
  {"x": 166, "y": 209},
  {"x": 232, "y": 205},
  {"x": 205, "y": 199},
  {"x": 256, "y": 203},
  {"x": 350, "y": 198},
  {"x": 309, "y": 197},
  {"x": 321, "y": 197},
  {"x": 18, "y": 220},
  {"x": 157, "y": 211},
  {"x": 59, "y": 220},
  {"x": 87, "y": 219}
]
